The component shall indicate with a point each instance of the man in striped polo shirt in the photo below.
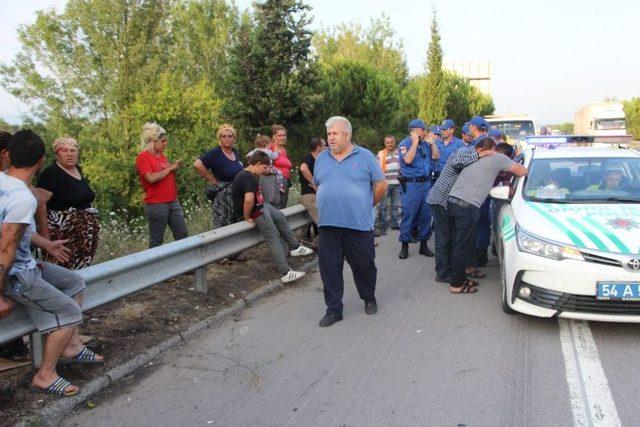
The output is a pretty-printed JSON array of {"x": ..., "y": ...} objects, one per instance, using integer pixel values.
[{"x": 390, "y": 204}]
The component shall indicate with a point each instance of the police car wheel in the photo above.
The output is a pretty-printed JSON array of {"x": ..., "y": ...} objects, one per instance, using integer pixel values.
[{"x": 503, "y": 284}]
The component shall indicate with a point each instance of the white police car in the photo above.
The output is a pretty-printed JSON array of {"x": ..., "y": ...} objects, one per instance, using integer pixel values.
[{"x": 568, "y": 237}]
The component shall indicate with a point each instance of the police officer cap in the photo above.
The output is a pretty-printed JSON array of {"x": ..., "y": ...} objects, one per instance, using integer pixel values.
[
  {"x": 479, "y": 122},
  {"x": 417, "y": 123},
  {"x": 465, "y": 128},
  {"x": 435, "y": 129},
  {"x": 447, "y": 124},
  {"x": 495, "y": 133}
]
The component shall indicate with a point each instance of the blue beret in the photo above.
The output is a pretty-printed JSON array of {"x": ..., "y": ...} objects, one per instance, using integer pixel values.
[
  {"x": 479, "y": 122},
  {"x": 435, "y": 129},
  {"x": 447, "y": 124},
  {"x": 417, "y": 123},
  {"x": 465, "y": 128},
  {"x": 495, "y": 133}
]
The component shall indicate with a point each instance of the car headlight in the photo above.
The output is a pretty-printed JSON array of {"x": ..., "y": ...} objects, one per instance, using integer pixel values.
[{"x": 535, "y": 245}]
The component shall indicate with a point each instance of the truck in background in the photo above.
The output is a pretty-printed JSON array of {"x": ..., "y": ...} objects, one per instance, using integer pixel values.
[
  {"x": 600, "y": 119},
  {"x": 515, "y": 127}
]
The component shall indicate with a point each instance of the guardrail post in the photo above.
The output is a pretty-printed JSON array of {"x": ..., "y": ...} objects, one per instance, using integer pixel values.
[
  {"x": 200, "y": 280},
  {"x": 36, "y": 342}
]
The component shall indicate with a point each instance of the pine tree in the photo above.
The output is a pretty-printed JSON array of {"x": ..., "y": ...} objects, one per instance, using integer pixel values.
[
  {"x": 270, "y": 69},
  {"x": 433, "y": 96}
]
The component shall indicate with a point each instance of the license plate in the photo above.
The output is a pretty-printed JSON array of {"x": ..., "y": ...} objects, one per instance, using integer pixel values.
[{"x": 625, "y": 291}]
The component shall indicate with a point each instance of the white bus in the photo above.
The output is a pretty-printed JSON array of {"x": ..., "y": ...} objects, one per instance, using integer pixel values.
[{"x": 513, "y": 126}]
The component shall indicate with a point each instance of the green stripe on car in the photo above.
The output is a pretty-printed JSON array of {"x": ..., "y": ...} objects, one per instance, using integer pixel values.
[
  {"x": 575, "y": 239},
  {"x": 580, "y": 226},
  {"x": 621, "y": 246}
]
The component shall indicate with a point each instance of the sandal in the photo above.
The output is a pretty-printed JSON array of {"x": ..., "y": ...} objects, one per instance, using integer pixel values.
[
  {"x": 57, "y": 388},
  {"x": 469, "y": 287},
  {"x": 86, "y": 355},
  {"x": 476, "y": 274}
]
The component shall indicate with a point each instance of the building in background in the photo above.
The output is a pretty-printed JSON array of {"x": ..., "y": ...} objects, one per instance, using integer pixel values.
[{"x": 477, "y": 72}]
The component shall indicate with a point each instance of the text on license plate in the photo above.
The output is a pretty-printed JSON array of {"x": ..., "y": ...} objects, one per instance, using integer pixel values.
[{"x": 626, "y": 291}]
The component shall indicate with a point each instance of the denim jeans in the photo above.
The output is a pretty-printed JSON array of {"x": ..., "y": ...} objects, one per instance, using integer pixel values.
[
  {"x": 276, "y": 232},
  {"x": 161, "y": 214},
  {"x": 463, "y": 222},
  {"x": 443, "y": 241},
  {"x": 389, "y": 207}
]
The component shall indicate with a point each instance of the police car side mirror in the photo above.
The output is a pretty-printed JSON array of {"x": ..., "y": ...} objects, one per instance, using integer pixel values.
[{"x": 500, "y": 193}]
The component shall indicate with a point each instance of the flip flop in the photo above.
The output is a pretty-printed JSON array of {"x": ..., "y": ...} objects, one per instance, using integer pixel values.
[
  {"x": 86, "y": 356},
  {"x": 466, "y": 288},
  {"x": 57, "y": 388},
  {"x": 476, "y": 274}
]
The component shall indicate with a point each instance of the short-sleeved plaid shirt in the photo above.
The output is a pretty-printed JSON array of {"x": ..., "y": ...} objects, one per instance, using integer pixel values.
[{"x": 439, "y": 193}]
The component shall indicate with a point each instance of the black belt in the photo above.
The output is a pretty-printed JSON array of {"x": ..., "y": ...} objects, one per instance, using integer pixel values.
[
  {"x": 417, "y": 179},
  {"x": 459, "y": 202}
]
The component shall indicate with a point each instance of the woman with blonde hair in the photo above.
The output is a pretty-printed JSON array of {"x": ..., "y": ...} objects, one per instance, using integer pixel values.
[
  {"x": 68, "y": 197},
  {"x": 158, "y": 179},
  {"x": 282, "y": 163},
  {"x": 218, "y": 167}
]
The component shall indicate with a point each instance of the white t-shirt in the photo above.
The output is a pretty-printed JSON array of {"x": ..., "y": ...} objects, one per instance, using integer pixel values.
[{"x": 18, "y": 206}]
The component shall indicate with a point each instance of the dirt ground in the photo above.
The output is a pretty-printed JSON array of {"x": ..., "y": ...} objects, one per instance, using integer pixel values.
[{"x": 127, "y": 327}]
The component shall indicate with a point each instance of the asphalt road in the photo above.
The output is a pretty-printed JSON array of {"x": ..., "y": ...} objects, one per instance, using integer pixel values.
[{"x": 427, "y": 358}]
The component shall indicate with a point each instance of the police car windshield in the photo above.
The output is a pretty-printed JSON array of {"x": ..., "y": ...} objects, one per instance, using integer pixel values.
[
  {"x": 514, "y": 128},
  {"x": 584, "y": 180}
]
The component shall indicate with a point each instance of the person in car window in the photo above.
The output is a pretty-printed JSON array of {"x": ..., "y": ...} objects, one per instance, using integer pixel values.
[{"x": 612, "y": 179}]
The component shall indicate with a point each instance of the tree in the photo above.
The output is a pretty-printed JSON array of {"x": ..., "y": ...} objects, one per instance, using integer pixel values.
[
  {"x": 565, "y": 128},
  {"x": 374, "y": 45},
  {"x": 632, "y": 117},
  {"x": 463, "y": 100},
  {"x": 433, "y": 92},
  {"x": 368, "y": 97},
  {"x": 271, "y": 75},
  {"x": 100, "y": 69}
]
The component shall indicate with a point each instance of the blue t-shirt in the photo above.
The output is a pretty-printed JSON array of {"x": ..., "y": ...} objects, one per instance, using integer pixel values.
[
  {"x": 447, "y": 150},
  {"x": 421, "y": 165},
  {"x": 220, "y": 166},
  {"x": 345, "y": 189},
  {"x": 17, "y": 206}
]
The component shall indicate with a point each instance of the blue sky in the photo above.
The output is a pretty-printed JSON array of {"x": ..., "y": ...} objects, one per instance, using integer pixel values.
[{"x": 548, "y": 58}]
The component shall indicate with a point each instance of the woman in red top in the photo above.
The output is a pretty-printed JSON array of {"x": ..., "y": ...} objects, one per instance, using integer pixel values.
[
  {"x": 282, "y": 162},
  {"x": 158, "y": 180}
]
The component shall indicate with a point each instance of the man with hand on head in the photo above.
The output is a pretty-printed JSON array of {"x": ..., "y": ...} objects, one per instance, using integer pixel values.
[
  {"x": 350, "y": 182},
  {"x": 416, "y": 155}
]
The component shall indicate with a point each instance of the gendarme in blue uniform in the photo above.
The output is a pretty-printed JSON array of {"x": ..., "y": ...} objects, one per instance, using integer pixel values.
[
  {"x": 447, "y": 150},
  {"x": 416, "y": 213}
]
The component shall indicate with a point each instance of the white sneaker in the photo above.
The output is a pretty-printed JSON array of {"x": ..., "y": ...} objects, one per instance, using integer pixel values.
[
  {"x": 301, "y": 251},
  {"x": 292, "y": 275}
]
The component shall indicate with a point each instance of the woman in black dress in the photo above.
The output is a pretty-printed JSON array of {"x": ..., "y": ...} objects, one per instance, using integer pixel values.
[{"x": 69, "y": 211}]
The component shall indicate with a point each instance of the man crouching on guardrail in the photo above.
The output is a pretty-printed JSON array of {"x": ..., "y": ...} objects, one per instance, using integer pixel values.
[
  {"x": 249, "y": 205},
  {"x": 52, "y": 295}
]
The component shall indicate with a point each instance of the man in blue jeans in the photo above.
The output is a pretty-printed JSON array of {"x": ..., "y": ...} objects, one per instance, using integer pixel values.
[{"x": 350, "y": 182}]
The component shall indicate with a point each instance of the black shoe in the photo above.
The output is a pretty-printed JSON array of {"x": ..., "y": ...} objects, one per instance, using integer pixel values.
[
  {"x": 395, "y": 227},
  {"x": 443, "y": 279},
  {"x": 424, "y": 249},
  {"x": 329, "y": 319},
  {"x": 371, "y": 307},
  {"x": 404, "y": 252}
]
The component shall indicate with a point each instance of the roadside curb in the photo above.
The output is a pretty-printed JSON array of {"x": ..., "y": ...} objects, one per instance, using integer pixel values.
[{"x": 53, "y": 414}]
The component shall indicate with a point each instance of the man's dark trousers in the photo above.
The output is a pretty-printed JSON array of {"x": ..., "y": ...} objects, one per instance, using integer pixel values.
[
  {"x": 443, "y": 241},
  {"x": 336, "y": 244},
  {"x": 463, "y": 223}
]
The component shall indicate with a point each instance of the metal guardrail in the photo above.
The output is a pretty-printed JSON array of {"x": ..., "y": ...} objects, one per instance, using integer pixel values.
[{"x": 111, "y": 280}]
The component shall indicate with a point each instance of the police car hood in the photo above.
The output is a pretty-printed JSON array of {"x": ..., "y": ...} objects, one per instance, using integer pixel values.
[{"x": 601, "y": 227}]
